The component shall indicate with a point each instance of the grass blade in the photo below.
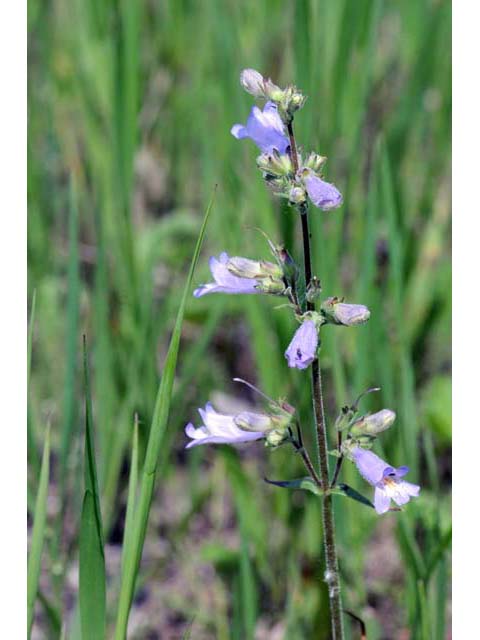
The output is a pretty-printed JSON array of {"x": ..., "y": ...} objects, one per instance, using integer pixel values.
[
  {"x": 38, "y": 534},
  {"x": 92, "y": 561},
  {"x": 132, "y": 493},
  {"x": 159, "y": 424}
]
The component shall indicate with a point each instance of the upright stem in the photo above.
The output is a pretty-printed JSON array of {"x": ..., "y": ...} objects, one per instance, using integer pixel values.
[{"x": 331, "y": 573}]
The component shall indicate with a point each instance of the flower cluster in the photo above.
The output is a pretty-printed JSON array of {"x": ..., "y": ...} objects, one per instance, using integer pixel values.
[
  {"x": 296, "y": 176},
  {"x": 268, "y": 129}
]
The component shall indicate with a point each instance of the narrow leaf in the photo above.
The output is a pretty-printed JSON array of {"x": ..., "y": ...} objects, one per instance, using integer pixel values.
[
  {"x": 92, "y": 561},
  {"x": 306, "y": 484},
  {"x": 132, "y": 493},
  {"x": 346, "y": 490},
  {"x": 38, "y": 533},
  {"x": 157, "y": 430}
]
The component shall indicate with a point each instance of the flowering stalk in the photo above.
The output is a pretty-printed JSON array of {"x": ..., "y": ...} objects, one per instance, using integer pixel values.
[
  {"x": 332, "y": 577},
  {"x": 297, "y": 177}
]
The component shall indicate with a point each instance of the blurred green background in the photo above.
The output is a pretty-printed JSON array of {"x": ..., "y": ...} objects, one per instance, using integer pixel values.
[{"x": 130, "y": 108}]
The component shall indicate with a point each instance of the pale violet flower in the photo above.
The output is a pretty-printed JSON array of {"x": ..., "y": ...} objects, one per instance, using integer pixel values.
[
  {"x": 386, "y": 479},
  {"x": 324, "y": 195},
  {"x": 225, "y": 281},
  {"x": 218, "y": 428},
  {"x": 302, "y": 350},
  {"x": 265, "y": 128}
]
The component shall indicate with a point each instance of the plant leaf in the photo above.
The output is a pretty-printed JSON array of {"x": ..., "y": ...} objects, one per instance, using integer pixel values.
[
  {"x": 157, "y": 430},
  {"x": 92, "y": 588}
]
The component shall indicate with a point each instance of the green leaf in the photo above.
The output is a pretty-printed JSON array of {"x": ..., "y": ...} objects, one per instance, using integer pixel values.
[
  {"x": 38, "y": 533},
  {"x": 132, "y": 493},
  {"x": 157, "y": 430},
  {"x": 346, "y": 490},
  {"x": 305, "y": 484},
  {"x": 92, "y": 588}
]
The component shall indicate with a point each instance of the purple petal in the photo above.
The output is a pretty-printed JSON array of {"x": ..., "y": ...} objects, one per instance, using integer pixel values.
[
  {"x": 265, "y": 128},
  {"x": 225, "y": 282},
  {"x": 302, "y": 350},
  {"x": 247, "y": 436},
  {"x": 323, "y": 194},
  {"x": 381, "y": 500},
  {"x": 370, "y": 466}
]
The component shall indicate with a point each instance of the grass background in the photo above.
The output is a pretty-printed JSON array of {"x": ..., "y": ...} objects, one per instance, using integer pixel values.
[{"x": 130, "y": 107}]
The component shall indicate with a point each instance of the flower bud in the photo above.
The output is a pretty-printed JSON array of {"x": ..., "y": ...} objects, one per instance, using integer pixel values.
[
  {"x": 314, "y": 162},
  {"x": 252, "y": 81},
  {"x": 314, "y": 289},
  {"x": 275, "y": 437},
  {"x": 349, "y": 315},
  {"x": 246, "y": 268},
  {"x": 373, "y": 424},
  {"x": 296, "y": 196},
  {"x": 275, "y": 163}
]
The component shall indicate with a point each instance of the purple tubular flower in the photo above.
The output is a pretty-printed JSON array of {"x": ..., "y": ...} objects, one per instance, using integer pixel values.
[
  {"x": 265, "y": 128},
  {"x": 302, "y": 349},
  {"x": 387, "y": 480},
  {"x": 218, "y": 429},
  {"x": 323, "y": 194},
  {"x": 225, "y": 282}
]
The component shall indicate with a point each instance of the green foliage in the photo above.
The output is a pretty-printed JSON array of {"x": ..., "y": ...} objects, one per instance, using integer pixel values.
[
  {"x": 130, "y": 107},
  {"x": 92, "y": 588}
]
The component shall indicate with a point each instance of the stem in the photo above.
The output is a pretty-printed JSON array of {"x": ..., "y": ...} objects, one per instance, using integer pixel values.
[
  {"x": 338, "y": 466},
  {"x": 331, "y": 573}
]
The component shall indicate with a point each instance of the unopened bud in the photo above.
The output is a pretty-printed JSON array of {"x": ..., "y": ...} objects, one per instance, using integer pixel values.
[
  {"x": 275, "y": 163},
  {"x": 275, "y": 437},
  {"x": 314, "y": 289},
  {"x": 349, "y": 315},
  {"x": 373, "y": 424},
  {"x": 252, "y": 81},
  {"x": 314, "y": 162},
  {"x": 296, "y": 195}
]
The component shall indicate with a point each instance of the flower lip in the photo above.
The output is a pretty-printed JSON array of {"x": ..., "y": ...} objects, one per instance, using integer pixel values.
[
  {"x": 225, "y": 281},
  {"x": 218, "y": 428},
  {"x": 386, "y": 479}
]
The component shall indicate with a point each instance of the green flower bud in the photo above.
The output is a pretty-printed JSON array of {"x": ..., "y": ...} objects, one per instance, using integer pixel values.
[
  {"x": 275, "y": 163},
  {"x": 275, "y": 437},
  {"x": 373, "y": 424},
  {"x": 314, "y": 162},
  {"x": 314, "y": 289},
  {"x": 296, "y": 196}
]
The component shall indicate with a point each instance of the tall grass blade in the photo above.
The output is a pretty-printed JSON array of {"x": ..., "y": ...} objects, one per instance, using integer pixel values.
[
  {"x": 73, "y": 283},
  {"x": 158, "y": 427},
  {"x": 92, "y": 590},
  {"x": 38, "y": 534},
  {"x": 132, "y": 493}
]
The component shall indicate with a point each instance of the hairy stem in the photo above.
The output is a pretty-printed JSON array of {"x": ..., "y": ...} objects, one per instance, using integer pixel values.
[{"x": 331, "y": 573}]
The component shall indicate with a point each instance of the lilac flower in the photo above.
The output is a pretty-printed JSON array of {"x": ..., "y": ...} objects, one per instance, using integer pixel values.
[
  {"x": 225, "y": 281},
  {"x": 302, "y": 349},
  {"x": 265, "y": 128},
  {"x": 387, "y": 480},
  {"x": 323, "y": 194},
  {"x": 218, "y": 428}
]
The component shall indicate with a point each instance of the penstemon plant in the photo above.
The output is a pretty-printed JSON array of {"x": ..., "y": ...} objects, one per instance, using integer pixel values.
[{"x": 295, "y": 175}]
